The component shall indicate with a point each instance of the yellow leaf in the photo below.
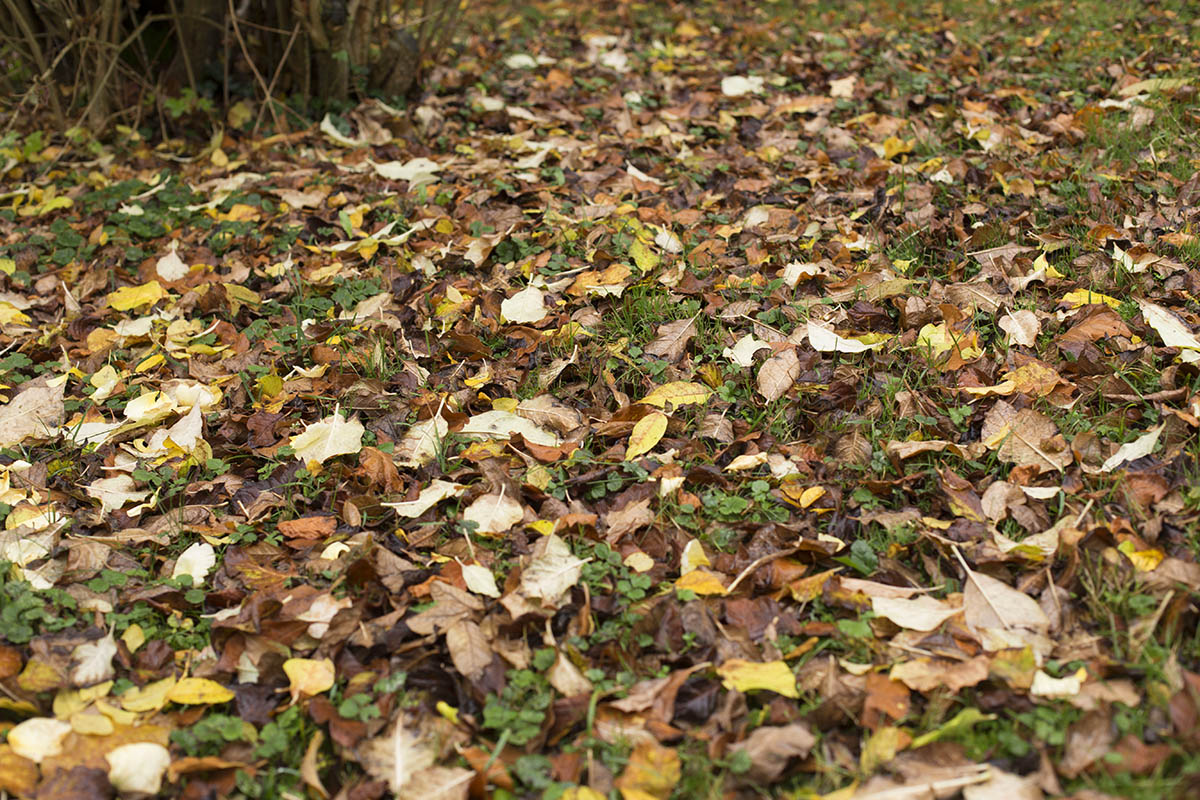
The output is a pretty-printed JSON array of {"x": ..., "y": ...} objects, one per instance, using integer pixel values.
[
  {"x": 643, "y": 256},
  {"x": 646, "y": 433},
  {"x": 8, "y": 266},
  {"x": 198, "y": 692},
  {"x": 639, "y": 561},
  {"x": 1083, "y": 297},
  {"x": 10, "y": 314},
  {"x": 241, "y": 212},
  {"x": 678, "y": 393},
  {"x": 130, "y": 297},
  {"x": 811, "y": 495},
  {"x": 747, "y": 676},
  {"x": 702, "y": 582},
  {"x": 447, "y": 711},
  {"x": 893, "y": 147},
  {"x": 882, "y": 747},
  {"x": 309, "y": 676},
  {"x": 134, "y": 637},
  {"x": 1142, "y": 560},
  {"x": 651, "y": 774},
  {"x": 693, "y": 557},
  {"x": 147, "y": 364},
  {"x": 150, "y": 697}
]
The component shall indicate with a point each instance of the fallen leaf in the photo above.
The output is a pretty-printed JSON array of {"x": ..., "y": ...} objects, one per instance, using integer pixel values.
[
  {"x": 651, "y": 773},
  {"x": 308, "y": 676},
  {"x": 196, "y": 562},
  {"x": 198, "y": 691},
  {"x": 38, "y": 738},
  {"x": 923, "y": 613},
  {"x": 526, "y": 307},
  {"x": 552, "y": 572},
  {"x": 777, "y": 374},
  {"x": 1139, "y": 448},
  {"x": 747, "y": 676},
  {"x": 645, "y": 435},
  {"x": 676, "y": 394},
  {"x": 138, "y": 768},
  {"x": 333, "y": 436},
  {"x": 494, "y": 513},
  {"x": 672, "y": 339},
  {"x": 37, "y": 411}
]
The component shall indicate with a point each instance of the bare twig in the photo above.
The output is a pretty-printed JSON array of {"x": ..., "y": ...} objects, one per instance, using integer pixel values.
[{"x": 233, "y": 20}]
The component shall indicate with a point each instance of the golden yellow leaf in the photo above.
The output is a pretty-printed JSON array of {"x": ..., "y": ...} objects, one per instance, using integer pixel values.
[
  {"x": 10, "y": 314},
  {"x": 646, "y": 433},
  {"x": 678, "y": 393},
  {"x": 150, "y": 697},
  {"x": 198, "y": 692},
  {"x": 748, "y": 676},
  {"x": 1142, "y": 560},
  {"x": 309, "y": 676},
  {"x": 651, "y": 774},
  {"x": 702, "y": 582},
  {"x": 1083, "y": 297},
  {"x": 643, "y": 256},
  {"x": 130, "y": 297}
]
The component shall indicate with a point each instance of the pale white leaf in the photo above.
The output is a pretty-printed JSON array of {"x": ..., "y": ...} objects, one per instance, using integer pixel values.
[
  {"x": 480, "y": 580},
  {"x": 37, "y": 410},
  {"x": 330, "y": 130},
  {"x": 503, "y": 424},
  {"x": 1022, "y": 327},
  {"x": 826, "y": 341},
  {"x": 552, "y": 572},
  {"x": 197, "y": 561},
  {"x": 494, "y": 513},
  {"x": 742, "y": 353},
  {"x": 923, "y": 613},
  {"x": 333, "y": 436},
  {"x": 1131, "y": 451},
  {"x": 738, "y": 85},
  {"x": 430, "y": 496},
  {"x": 520, "y": 61},
  {"x": 668, "y": 241},
  {"x": 171, "y": 267},
  {"x": 525, "y": 307},
  {"x": 1173, "y": 332},
  {"x": 421, "y": 443},
  {"x": 115, "y": 492},
  {"x": 38, "y": 738},
  {"x": 93, "y": 661},
  {"x": 138, "y": 768},
  {"x": 417, "y": 171}
]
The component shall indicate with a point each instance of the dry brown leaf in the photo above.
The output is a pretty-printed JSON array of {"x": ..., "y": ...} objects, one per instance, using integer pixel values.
[
  {"x": 1025, "y": 437},
  {"x": 672, "y": 339},
  {"x": 770, "y": 748},
  {"x": 778, "y": 373},
  {"x": 469, "y": 649}
]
